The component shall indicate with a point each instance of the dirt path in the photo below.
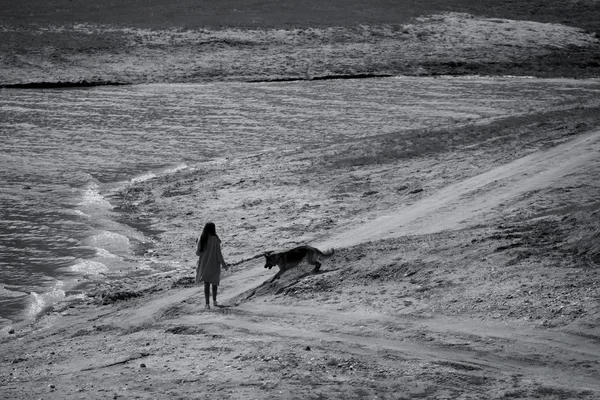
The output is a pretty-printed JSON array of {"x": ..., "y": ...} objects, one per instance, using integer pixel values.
[
  {"x": 525, "y": 351},
  {"x": 233, "y": 285}
]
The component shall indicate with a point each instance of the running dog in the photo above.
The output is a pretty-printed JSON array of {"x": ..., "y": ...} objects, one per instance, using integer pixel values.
[{"x": 291, "y": 258}]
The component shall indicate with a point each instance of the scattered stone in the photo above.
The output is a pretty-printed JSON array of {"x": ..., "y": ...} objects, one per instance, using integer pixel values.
[
  {"x": 186, "y": 281},
  {"x": 109, "y": 298},
  {"x": 307, "y": 348},
  {"x": 142, "y": 365},
  {"x": 11, "y": 331}
]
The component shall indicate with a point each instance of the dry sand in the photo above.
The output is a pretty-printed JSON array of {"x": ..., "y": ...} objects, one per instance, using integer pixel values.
[{"x": 466, "y": 264}]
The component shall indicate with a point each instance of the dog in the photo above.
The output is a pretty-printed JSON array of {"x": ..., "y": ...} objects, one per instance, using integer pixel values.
[{"x": 292, "y": 258}]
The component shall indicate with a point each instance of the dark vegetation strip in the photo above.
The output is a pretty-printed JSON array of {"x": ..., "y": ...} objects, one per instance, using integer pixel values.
[
  {"x": 60, "y": 84},
  {"x": 323, "y": 78}
]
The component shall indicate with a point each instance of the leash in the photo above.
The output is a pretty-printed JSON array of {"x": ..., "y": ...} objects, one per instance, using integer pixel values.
[{"x": 254, "y": 257}]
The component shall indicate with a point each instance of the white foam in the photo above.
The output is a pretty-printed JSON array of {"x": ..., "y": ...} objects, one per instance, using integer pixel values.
[
  {"x": 89, "y": 267},
  {"x": 151, "y": 175},
  {"x": 103, "y": 253},
  {"x": 110, "y": 241},
  {"x": 39, "y": 301},
  {"x": 81, "y": 213},
  {"x": 92, "y": 197},
  {"x": 144, "y": 177},
  {"x": 176, "y": 169},
  {"x": 6, "y": 325},
  {"x": 144, "y": 267}
]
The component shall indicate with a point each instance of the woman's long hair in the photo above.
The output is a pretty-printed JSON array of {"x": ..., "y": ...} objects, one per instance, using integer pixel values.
[{"x": 209, "y": 230}]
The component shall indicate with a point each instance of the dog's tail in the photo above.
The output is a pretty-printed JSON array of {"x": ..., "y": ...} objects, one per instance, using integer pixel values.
[{"x": 326, "y": 254}]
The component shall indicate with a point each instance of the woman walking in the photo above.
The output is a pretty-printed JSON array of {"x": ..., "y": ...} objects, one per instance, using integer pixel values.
[{"x": 208, "y": 268}]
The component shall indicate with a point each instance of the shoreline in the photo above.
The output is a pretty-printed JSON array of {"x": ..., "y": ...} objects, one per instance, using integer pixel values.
[
  {"x": 141, "y": 219},
  {"x": 131, "y": 199}
]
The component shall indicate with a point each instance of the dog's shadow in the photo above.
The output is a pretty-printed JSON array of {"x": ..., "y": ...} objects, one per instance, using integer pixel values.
[
  {"x": 291, "y": 281},
  {"x": 225, "y": 308}
]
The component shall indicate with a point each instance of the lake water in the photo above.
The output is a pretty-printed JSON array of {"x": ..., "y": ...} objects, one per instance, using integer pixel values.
[{"x": 63, "y": 152}]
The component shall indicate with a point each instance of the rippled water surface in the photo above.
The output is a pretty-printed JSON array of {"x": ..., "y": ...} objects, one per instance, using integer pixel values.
[{"x": 64, "y": 151}]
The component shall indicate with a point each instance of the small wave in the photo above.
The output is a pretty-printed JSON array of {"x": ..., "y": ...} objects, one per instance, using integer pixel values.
[
  {"x": 41, "y": 301},
  {"x": 7, "y": 291},
  {"x": 20, "y": 125},
  {"x": 81, "y": 213},
  {"x": 109, "y": 241},
  {"x": 515, "y": 77},
  {"x": 103, "y": 253},
  {"x": 144, "y": 267},
  {"x": 147, "y": 176},
  {"x": 175, "y": 169},
  {"x": 15, "y": 109},
  {"x": 143, "y": 178},
  {"x": 92, "y": 197},
  {"x": 89, "y": 267},
  {"x": 151, "y": 175},
  {"x": 6, "y": 325}
]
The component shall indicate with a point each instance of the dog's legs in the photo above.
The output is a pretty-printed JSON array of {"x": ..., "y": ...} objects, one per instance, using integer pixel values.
[
  {"x": 277, "y": 275},
  {"x": 313, "y": 259},
  {"x": 317, "y": 267}
]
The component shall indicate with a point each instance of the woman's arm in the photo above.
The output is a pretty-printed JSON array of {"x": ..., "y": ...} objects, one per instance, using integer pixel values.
[
  {"x": 220, "y": 256},
  {"x": 198, "y": 246}
]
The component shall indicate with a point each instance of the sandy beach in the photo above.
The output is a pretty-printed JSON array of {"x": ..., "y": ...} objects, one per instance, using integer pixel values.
[
  {"x": 460, "y": 270},
  {"x": 466, "y": 255}
]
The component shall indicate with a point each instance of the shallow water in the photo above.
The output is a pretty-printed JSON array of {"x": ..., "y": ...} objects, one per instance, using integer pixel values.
[{"x": 65, "y": 151}]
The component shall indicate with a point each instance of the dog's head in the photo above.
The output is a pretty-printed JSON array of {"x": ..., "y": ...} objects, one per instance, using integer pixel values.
[{"x": 270, "y": 261}]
